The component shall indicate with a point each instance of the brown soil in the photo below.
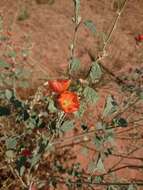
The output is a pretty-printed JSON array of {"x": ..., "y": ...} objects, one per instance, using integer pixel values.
[{"x": 47, "y": 34}]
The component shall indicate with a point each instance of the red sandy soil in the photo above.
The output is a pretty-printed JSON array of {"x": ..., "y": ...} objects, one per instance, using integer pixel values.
[{"x": 48, "y": 33}]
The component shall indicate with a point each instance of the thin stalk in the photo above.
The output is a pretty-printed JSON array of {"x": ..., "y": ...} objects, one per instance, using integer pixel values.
[{"x": 105, "y": 46}]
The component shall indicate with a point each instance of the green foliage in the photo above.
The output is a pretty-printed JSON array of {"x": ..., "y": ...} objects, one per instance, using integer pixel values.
[
  {"x": 91, "y": 166},
  {"x": 100, "y": 166},
  {"x": 120, "y": 122},
  {"x": 24, "y": 15},
  {"x": 98, "y": 179},
  {"x": 20, "y": 164},
  {"x": 23, "y": 84},
  {"x": 90, "y": 95},
  {"x": 21, "y": 73},
  {"x": 22, "y": 170},
  {"x": 4, "y": 111},
  {"x": 3, "y": 64},
  {"x": 81, "y": 110},
  {"x": 97, "y": 165},
  {"x": 8, "y": 94},
  {"x": 74, "y": 65},
  {"x": 12, "y": 54},
  {"x": 40, "y": 125},
  {"x": 67, "y": 125},
  {"x": 132, "y": 187},
  {"x": 35, "y": 159},
  {"x": 10, "y": 154},
  {"x": 90, "y": 25},
  {"x": 11, "y": 143},
  {"x": 51, "y": 106},
  {"x": 110, "y": 106},
  {"x": 95, "y": 72}
]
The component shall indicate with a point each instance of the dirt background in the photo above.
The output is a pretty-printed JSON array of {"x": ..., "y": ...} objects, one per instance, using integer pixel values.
[{"x": 47, "y": 34}]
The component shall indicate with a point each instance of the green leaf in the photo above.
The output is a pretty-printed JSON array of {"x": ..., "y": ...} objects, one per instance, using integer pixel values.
[
  {"x": 35, "y": 160},
  {"x": 22, "y": 73},
  {"x": 4, "y": 64},
  {"x": 95, "y": 72},
  {"x": 4, "y": 111},
  {"x": 132, "y": 187},
  {"x": 110, "y": 136},
  {"x": 74, "y": 65},
  {"x": 120, "y": 122},
  {"x": 81, "y": 110},
  {"x": 110, "y": 106},
  {"x": 98, "y": 179},
  {"x": 91, "y": 166},
  {"x": 11, "y": 54},
  {"x": 90, "y": 25},
  {"x": 100, "y": 166},
  {"x": 10, "y": 154},
  {"x": 11, "y": 143},
  {"x": 8, "y": 94},
  {"x": 23, "y": 84},
  {"x": 100, "y": 126},
  {"x": 90, "y": 95},
  {"x": 21, "y": 162},
  {"x": 22, "y": 170},
  {"x": 98, "y": 141},
  {"x": 67, "y": 126},
  {"x": 51, "y": 107}
]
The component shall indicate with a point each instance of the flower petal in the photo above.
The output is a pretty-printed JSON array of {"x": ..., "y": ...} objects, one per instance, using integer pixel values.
[
  {"x": 68, "y": 102},
  {"x": 59, "y": 85}
]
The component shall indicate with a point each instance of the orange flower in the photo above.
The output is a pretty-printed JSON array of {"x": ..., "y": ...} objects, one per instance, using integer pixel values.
[
  {"x": 68, "y": 102},
  {"x": 59, "y": 85}
]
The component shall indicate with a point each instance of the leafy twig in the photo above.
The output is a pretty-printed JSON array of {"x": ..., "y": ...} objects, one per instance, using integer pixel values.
[{"x": 117, "y": 79}]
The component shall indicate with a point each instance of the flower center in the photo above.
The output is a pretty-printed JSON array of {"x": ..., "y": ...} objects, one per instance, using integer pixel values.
[{"x": 66, "y": 103}]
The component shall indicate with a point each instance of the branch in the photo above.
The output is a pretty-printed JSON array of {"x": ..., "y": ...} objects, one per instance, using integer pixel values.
[{"x": 117, "y": 79}]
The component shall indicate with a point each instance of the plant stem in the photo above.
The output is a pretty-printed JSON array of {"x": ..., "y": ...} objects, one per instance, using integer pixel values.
[{"x": 118, "y": 80}]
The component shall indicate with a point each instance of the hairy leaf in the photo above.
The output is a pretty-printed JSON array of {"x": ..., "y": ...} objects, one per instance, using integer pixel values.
[
  {"x": 51, "y": 106},
  {"x": 74, "y": 65},
  {"x": 90, "y": 25},
  {"x": 11, "y": 143},
  {"x": 8, "y": 94},
  {"x": 35, "y": 160},
  {"x": 90, "y": 95},
  {"x": 95, "y": 72},
  {"x": 100, "y": 166},
  {"x": 81, "y": 110},
  {"x": 110, "y": 106},
  {"x": 67, "y": 125}
]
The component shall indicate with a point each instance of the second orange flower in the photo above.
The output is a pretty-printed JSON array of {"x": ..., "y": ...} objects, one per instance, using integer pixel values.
[{"x": 59, "y": 85}]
